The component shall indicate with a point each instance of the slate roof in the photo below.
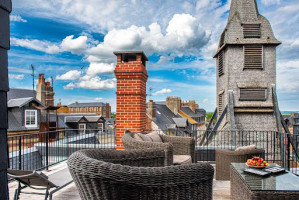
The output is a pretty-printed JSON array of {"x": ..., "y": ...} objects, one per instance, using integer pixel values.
[
  {"x": 20, "y": 102},
  {"x": 110, "y": 119},
  {"x": 291, "y": 119},
  {"x": 89, "y": 104},
  {"x": 190, "y": 112},
  {"x": 94, "y": 118},
  {"x": 15, "y": 93},
  {"x": 201, "y": 111},
  {"x": 180, "y": 122},
  {"x": 74, "y": 119},
  {"x": 164, "y": 117}
]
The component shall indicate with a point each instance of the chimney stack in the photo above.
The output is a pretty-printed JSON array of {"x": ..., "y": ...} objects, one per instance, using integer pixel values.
[
  {"x": 131, "y": 78},
  {"x": 151, "y": 108},
  {"x": 41, "y": 79},
  {"x": 174, "y": 104}
]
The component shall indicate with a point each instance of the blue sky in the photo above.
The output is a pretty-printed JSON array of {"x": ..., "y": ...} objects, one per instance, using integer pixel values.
[{"x": 73, "y": 40}]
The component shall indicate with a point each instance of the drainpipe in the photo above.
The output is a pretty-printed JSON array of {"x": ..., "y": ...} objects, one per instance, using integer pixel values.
[{"x": 5, "y": 9}]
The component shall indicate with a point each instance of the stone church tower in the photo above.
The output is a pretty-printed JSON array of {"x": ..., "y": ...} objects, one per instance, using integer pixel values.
[{"x": 246, "y": 69}]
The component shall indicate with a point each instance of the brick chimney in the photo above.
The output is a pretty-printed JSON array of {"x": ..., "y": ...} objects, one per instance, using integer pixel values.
[
  {"x": 174, "y": 104},
  {"x": 41, "y": 79},
  {"x": 151, "y": 108},
  {"x": 131, "y": 78},
  {"x": 108, "y": 110}
]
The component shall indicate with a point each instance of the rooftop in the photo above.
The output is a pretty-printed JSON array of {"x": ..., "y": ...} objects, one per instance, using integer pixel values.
[
  {"x": 15, "y": 93},
  {"x": 88, "y": 104}
]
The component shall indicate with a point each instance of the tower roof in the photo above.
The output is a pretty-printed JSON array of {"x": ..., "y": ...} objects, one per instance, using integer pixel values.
[{"x": 245, "y": 18}]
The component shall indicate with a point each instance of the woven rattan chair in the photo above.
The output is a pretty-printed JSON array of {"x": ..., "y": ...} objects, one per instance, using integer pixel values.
[
  {"x": 172, "y": 145},
  {"x": 225, "y": 157},
  {"x": 116, "y": 175}
]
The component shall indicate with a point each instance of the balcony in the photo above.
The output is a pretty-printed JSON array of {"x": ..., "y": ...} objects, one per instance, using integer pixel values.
[{"x": 48, "y": 152}]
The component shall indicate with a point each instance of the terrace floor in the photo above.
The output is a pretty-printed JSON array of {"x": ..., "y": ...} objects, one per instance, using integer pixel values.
[{"x": 221, "y": 189}]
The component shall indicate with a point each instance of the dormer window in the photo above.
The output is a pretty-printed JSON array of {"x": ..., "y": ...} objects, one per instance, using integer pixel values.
[
  {"x": 30, "y": 118},
  {"x": 252, "y": 30}
]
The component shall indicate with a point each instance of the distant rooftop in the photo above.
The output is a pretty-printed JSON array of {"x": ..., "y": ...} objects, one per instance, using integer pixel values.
[
  {"x": 15, "y": 93},
  {"x": 88, "y": 104}
]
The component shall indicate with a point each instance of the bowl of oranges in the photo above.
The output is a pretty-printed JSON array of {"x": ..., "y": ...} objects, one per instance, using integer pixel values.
[{"x": 257, "y": 162}]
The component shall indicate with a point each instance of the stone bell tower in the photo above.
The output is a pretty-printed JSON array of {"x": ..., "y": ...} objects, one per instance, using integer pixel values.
[{"x": 246, "y": 69}]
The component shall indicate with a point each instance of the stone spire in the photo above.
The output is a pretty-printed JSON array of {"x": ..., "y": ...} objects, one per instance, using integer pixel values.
[
  {"x": 244, "y": 14},
  {"x": 245, "y": 9}
]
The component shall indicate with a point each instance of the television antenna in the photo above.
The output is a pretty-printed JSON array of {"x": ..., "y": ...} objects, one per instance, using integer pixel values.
[
  {"x": 32, "y": 68},
  {"x": 150, "y": 93},
  {"x": 52, "y": 80}
]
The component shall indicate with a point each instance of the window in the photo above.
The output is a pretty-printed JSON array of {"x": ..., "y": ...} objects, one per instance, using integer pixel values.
[
  {"x": 220, "y": 103},
  {"x": 253, "y": 94},
  {"x": 253, "y": 56},
  {"x": 30, "y": 118},
  {"x": 220, "y": 63},
  {"x": 100, "y": 126},
  {"x": 252, "y": 30},
  {"x": 82, "y": 128}
]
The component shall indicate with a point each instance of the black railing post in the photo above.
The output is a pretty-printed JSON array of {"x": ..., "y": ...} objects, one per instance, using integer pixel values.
[
  {"x": 288, "y": 152},
  {"x": 47, "y": 151},
  {"x": 20, "y": 153}
]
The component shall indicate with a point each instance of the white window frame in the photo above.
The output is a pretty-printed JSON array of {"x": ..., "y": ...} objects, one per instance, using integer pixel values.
[
  {"x": 84, "y": 128},
  {"x": 102, "y": 127},
  {"x": 35, "y": 116}
]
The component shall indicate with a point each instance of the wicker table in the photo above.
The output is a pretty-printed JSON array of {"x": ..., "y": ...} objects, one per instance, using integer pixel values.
[{"x": 245, "y": 186}]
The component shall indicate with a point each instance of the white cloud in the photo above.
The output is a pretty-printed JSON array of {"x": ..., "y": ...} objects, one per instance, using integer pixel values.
[
  {"x": 287, "y": 77},
  {"x": 20, "y": 70},
  {"x": 17, "y": 18},
  {"x": 70, "y": 75},
  {"x": 157, "y": 80},
  {"x": 100, "y": 68},
  {"x": 270, "y": 2},
  {"x": 98, "y": 98},
  {"x": 16, "y": 76},
  {"x": 163, "y": 91},
  {"x": 77, "y": 45},
  {"x": 39, "y": 45},
  {"x": 94, "y": 83},
  {"x": 205, "y": 101},
  {"x": 48, "y": 80}
]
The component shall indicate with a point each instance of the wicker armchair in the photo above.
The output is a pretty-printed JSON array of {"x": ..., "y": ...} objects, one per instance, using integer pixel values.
[
  {"x": 115, "y": 175},
  {"x": 225, "y": 157},
  {"x": 171, "y": 145}
]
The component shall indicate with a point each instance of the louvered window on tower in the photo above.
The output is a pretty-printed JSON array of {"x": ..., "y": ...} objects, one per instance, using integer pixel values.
[
  {"x": 253, "y": 94},
  {"x": 253, "y": 56},
  {"x": 252, "y": 30},
  {"x": 220, "y": 103},
  {"x": 220, "y": 63}
]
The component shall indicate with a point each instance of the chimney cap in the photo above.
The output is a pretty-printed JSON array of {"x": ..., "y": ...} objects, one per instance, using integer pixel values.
[{"x": 144, "y": 57}]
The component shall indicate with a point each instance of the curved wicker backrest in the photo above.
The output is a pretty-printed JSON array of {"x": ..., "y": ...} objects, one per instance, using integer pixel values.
[
  {"x": 225, "y": 157},
  {"x": 130, "y": 144},
  {"x": 98, "y": 177}
]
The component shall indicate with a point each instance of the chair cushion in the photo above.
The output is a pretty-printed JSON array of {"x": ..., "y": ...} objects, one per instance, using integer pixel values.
[
  {"x": 145, "y": 138},
  {"x": 137, "y": 137},
  {"x": 250, "y": 147},
  {"x": 155, "y": 137},
  {"x": 182, "y": 159}
]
